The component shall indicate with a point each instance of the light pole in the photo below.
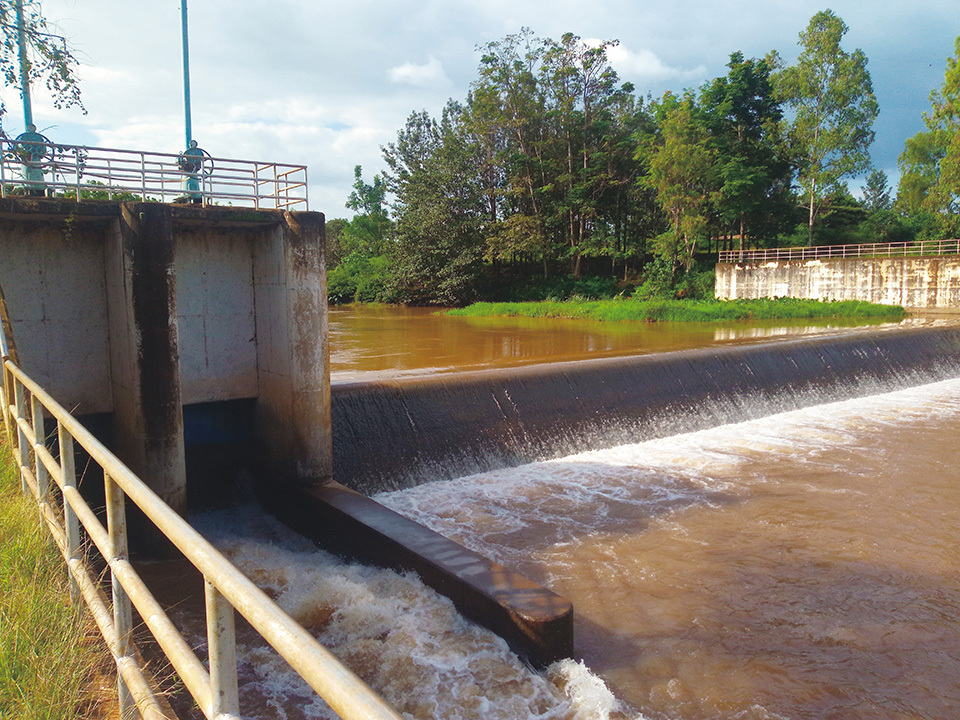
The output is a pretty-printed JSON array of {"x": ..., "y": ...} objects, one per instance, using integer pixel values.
[
  {"x": 30, "y": 146},
  {"x": 24, "y": 67},
  {"x": 188, "y": 125},
  {"x": 193, "y": 161}
]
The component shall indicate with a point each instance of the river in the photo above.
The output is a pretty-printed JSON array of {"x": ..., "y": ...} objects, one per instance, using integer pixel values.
[
  {"x": 802, "y": 566},
  {"x": 379, "y": 341}
]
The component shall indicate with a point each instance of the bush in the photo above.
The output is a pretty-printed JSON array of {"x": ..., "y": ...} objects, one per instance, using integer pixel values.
[{"x": 359, "y": 279}]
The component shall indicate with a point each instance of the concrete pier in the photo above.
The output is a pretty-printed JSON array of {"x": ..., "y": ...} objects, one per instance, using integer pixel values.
[{"x": 137, "y": 310}]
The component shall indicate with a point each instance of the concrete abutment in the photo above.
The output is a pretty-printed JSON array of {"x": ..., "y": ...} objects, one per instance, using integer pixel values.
[
  {"x": 185, "y": 336},
  {"x": 140, "y": 309}
]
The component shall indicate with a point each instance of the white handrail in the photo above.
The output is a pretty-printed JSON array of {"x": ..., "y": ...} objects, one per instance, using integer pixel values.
[
  {"x": 226, "y": 588},
  {"x": 81, "y": 173},
  {"x": 902, "y": 249}
]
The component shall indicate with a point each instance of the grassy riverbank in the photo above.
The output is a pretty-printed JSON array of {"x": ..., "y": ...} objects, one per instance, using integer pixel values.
[
  {"x": 682, "y": 310},
  {"x": 51, "y": 657}
]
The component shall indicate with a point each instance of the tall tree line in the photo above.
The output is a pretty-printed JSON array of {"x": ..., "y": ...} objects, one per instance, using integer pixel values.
[{"x": 551, "y": 166}]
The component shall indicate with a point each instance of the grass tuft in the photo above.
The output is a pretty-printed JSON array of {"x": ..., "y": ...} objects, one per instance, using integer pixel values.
[{"x": 620, "y": 310}]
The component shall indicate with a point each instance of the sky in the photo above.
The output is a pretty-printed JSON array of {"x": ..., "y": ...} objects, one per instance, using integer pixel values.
[{"x": 326, "y": 84}]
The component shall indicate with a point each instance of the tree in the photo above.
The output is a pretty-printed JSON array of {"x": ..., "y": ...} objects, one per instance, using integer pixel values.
[
  {"x": 682, "y": 170},
  {"x": 367, "y": 232},
  {"x": 440, "y": 211},
  {"x": 48, "y": 58},
  {"x": 744, "y": 118},
  {"x": 831, "y": 94},
  {"x": 507, "y": 110},
  {"x": 930, "y": 161},
  {"x": 582, "y": 92},
  {"x": 876, "y": 192}
]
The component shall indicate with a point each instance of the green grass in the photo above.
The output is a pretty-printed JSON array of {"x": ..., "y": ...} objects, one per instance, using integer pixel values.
[
  {"x": 51, "y": 659},
  {"x": 683, "y": 310}
]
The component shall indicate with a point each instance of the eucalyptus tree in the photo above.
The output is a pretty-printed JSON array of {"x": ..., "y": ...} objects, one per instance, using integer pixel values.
[
  {"x": 744, "y": 117},
  {"x": 682, "y": 169},
  {"x": 583, "y": 97},
  {"x": 440, "y": 209},
  {"x": 47, "y": 57},
  {"x": 831, "y": 95},
  {"x": 507, "y": 110},
  {"x": 930, "y": 161}
]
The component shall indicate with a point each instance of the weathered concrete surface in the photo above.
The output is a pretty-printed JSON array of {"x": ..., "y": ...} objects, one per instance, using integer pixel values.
[
  {"x": 52, "y": 272},
  {"x": 913, "y": 282},
  {"x": 144, "y": 351},
  {"x": 537, "y": 623},
  {"x": 139, "y": 309},
  {"x": 293, "y": 351}
]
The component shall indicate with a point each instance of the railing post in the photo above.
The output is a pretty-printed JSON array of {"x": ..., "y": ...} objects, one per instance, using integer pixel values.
[
  {"x": 76, "y": 170},
  {"x": 222, "y": 648},
  {"x": 122, "y": 612},
  {"x": 23, "y": 447},
  {"x": 68, "y": 474},
  {"x": 40, "y": 437}
]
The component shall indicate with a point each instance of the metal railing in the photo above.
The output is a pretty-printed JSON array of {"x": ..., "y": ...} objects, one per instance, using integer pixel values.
[
  {"x": 26, "y": 409},
  {"x": 94, "y": 173},
  {"x": 872, "y": 250}
]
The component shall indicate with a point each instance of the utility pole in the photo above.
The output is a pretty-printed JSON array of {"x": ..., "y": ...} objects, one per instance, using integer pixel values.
[
  {"x": 195, "y": 162},
  {"x": 188, "y": 124},
  {"x": 24, "y": 67}
]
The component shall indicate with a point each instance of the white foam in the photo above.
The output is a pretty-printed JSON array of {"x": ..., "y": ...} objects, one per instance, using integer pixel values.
[
  {"x": 409, "y": 643},
  {"x": 406, "y": 641}
]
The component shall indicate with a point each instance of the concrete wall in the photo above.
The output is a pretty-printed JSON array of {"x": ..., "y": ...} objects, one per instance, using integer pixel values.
[
  {"x": 913, "y": 282},
  {"x": 52, "y": 273},
  {"x": 137, "y": 309}
]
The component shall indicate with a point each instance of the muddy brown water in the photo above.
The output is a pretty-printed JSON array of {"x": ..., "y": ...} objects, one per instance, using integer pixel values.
[
  {"x": 802, "y": 566},
  {"x": 375, "y": 342}
]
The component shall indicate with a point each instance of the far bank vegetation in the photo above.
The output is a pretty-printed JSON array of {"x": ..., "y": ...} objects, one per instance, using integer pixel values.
[{"x": 552, "y": 178}]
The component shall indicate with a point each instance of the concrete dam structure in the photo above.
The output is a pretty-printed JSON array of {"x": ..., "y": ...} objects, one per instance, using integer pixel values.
[
  {"x": 914, "y": 275},
  {"x": 394, "y": 434},
  {"x": 184, "y": 334},
  {"x": 193, "y": 341}
]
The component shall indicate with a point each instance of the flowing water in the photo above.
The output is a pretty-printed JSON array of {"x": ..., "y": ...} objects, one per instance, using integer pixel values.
[{"x": 801, "y": 566}]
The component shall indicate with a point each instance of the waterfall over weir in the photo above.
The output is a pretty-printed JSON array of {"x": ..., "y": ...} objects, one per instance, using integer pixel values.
[{"x": 404, "y": 432}]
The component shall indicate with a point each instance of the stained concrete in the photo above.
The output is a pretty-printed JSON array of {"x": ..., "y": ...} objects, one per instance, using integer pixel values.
[
  {"x": 913, "y": 282},
  {"x": 140, "y": 309},
  {"x": 537, "y": 623}
]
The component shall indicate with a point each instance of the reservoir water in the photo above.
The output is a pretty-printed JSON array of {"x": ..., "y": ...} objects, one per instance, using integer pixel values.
[
  {"x": 800, "y": 566},
  {"x": 375, "y": 342}
]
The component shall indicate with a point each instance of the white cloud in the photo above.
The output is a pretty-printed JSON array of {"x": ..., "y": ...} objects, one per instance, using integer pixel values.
[
  {"x": 430, "y": 74},
  {"x": 644, "y": 64}
]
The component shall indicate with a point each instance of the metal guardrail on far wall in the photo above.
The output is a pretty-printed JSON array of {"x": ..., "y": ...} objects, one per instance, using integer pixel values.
[
  {"x": 872, "y": 250},
  {"x": 26, "y": 409},
  {"x": 94, "y": 173}
]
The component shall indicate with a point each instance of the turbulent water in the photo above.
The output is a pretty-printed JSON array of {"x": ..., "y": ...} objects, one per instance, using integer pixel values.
[{"x": 801, "y": 566}]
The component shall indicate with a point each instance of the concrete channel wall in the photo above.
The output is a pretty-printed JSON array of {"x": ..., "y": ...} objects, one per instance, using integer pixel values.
[
  {"x": 160, "y": 317},
  {"x": 913, "y": 282}
]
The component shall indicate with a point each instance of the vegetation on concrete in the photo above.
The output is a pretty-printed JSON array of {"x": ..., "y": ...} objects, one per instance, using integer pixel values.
[
  {"x": 682, "y": 310},
  {"x": 51, "y": 657}
]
